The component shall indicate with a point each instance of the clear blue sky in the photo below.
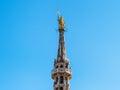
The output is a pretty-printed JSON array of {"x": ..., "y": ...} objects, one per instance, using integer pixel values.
[{"x": 29, "y": 42}]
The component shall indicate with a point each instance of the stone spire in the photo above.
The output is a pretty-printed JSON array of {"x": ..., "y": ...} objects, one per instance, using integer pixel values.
[
  {"x": 61, "y": 49},
  {"x": 61, "y": 74}
]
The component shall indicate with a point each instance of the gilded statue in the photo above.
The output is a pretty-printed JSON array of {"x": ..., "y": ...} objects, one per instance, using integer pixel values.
[{"x": 61, "y": 23}]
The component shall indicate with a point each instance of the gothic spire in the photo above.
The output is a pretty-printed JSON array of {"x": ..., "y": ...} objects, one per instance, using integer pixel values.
[
  {"x": 61, "y": 74},
  {"x": 61, "y": 49}
]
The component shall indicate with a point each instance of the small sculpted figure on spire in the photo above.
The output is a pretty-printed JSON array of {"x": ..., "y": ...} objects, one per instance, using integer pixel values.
[{"x": 61, "y": 23}]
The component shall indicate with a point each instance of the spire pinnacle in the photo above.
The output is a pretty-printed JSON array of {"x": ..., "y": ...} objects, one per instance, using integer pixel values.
[
  {"x": 61, "y": 48},
  {"x": 61, "y": 74},
  {"x": 61, "y": 23}
]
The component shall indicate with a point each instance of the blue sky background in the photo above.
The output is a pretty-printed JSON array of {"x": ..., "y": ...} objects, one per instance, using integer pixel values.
[{"x": 29, "y": 42}]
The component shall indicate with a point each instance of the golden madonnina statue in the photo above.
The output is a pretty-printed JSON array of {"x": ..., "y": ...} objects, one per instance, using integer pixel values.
[{"x": 61, "y": 23}]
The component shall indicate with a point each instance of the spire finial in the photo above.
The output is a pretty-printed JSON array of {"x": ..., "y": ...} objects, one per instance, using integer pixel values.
[{"x": 61, "y": 21}]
